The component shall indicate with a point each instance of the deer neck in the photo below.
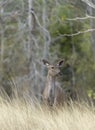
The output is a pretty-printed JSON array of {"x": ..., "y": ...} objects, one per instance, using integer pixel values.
[{"x": 50, "y": 84}]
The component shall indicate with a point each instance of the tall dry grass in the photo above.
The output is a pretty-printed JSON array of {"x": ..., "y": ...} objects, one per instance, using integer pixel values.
[{"x": 21, "y": 115}]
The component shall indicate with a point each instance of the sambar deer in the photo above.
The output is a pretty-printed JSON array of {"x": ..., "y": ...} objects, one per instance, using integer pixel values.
[{"x": 53, "y": 94}]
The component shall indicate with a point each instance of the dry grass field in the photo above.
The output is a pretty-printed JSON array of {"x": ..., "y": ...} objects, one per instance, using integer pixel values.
[{"x": 19, "y": 115}]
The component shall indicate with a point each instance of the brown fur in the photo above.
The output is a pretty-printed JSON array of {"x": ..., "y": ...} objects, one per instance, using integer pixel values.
[{"x": 53, "y": 94}]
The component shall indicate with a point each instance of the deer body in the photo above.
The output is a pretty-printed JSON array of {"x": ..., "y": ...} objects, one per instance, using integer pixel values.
[{"x": 53, "y": 94}]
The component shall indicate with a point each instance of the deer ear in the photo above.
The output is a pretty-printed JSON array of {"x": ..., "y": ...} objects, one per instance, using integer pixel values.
[
  {"x": 60, "y": 63},
  {"x": 45, "y": 62}
]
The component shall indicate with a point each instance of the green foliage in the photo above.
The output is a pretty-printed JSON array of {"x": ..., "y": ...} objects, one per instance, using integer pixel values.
[
  {"x": 77, "y": 48},
  {"x": 60, "y": 26}
]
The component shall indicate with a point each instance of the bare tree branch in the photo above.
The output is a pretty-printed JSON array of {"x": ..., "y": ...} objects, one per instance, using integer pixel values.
[
  {"x": 89, "y": 3},
  {"x": 81, "y": 18},
  {"x": 71, "y": 35},
  {"x": 44, "y": 29}
]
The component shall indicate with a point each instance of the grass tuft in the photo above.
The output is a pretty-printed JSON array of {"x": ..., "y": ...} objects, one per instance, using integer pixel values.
[{"x": 20, "y": 115}]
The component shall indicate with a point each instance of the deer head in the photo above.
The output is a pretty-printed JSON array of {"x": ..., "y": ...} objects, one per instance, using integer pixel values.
[{"x": 53, "y": 70}]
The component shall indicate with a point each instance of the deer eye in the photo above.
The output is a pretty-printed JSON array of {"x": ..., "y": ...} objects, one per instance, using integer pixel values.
[{"x": 52, "y": 67}]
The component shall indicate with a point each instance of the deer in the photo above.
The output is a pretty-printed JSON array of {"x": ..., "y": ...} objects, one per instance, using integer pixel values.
[{"x": 53, "y": 94}]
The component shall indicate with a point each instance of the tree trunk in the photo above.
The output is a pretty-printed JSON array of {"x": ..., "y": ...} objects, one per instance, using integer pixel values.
[
  {"x": 1, "y": 43},
  {"x": 92, "y": 24}
]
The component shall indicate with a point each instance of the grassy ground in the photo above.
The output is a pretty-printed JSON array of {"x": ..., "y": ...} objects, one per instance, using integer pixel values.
[{"x": 18, "y": 115}]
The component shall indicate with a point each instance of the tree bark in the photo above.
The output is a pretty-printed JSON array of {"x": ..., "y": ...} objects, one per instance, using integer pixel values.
[{"x": 91, "y": 12}]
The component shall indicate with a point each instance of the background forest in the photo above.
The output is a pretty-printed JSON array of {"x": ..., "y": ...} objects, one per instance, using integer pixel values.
[{"x": 51, "y": 29}]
